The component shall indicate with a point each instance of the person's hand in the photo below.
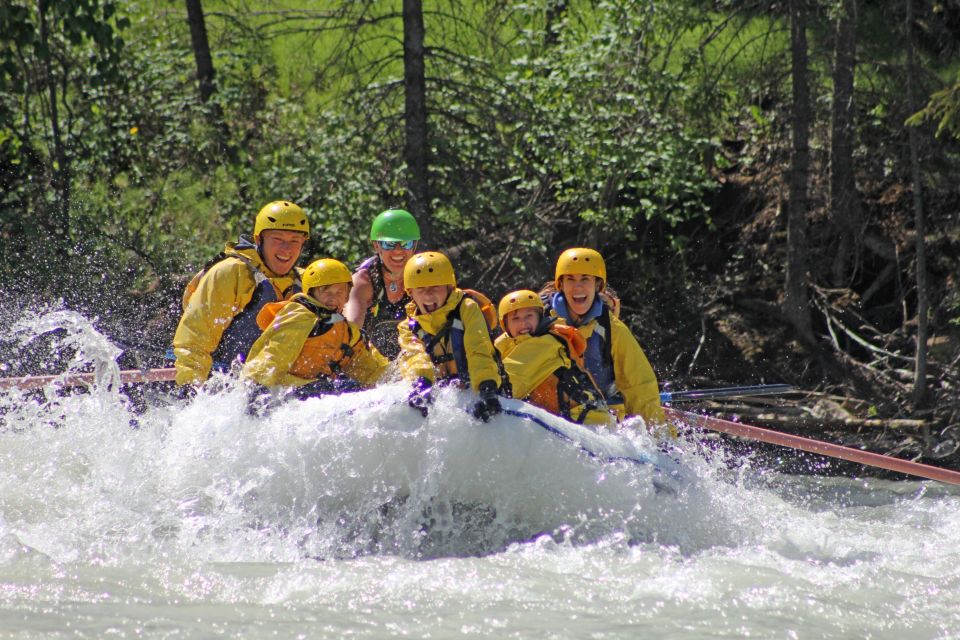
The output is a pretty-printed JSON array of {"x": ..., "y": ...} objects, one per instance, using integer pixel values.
[
  {"x": 489, "y": 403},
  {"x": 420, "y": 397}
]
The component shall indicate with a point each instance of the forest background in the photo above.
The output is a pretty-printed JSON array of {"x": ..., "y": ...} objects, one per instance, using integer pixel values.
[{"x": 773, "y": 184}]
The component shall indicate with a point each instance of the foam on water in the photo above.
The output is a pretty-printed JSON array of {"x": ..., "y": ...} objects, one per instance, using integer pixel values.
[{"x": 319, "y": 516}]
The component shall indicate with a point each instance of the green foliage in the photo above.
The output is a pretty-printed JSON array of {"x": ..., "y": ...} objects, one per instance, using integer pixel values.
[
  {"x": 58, "y": 65},
  {"x": 598, "y": 127},
  {"x": 944, "y": 108}
]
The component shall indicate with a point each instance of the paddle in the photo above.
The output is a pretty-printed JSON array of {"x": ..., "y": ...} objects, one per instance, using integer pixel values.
[
  {"x": 815, "y": 446},
  {"x": 725, "y": 392},
  {"x": 27, "y": 383}
]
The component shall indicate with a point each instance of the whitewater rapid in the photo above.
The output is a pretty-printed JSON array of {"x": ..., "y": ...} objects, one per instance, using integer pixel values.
[{"x": 354, "y": 516}]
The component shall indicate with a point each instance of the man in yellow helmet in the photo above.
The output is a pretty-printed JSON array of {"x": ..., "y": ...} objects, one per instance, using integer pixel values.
[
  {"x": 446, "y": 336},
  {"x": 221, "y": 303},
  {"x": 307, "y": 343}
]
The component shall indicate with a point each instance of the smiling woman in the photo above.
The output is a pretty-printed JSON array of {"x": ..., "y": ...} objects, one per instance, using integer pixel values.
[
  {"x": 612, "y": 356},
  {"x": 378, "y": 298}
]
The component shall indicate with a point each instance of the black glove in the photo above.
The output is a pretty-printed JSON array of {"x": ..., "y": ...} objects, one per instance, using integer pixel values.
[
  {"x": 489, "y": 403},
  {"x": 421, "y": 395}
]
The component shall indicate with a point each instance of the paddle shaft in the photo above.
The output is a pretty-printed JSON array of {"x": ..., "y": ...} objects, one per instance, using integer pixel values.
[
  {"x": 725, "y": 392},
  {"x": 815, "y": 446},
  {"x": 28, "y": 383}
]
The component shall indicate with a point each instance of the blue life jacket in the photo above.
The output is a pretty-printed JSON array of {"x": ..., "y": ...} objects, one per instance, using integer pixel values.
[
  {"x": 244, "y": 330},
  {"x": 439, "y": 353},
  {"x": 598, "y": 357},
  {"x": 437, "y": 350}
]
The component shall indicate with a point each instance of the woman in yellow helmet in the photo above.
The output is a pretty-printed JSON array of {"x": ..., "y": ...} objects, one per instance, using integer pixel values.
[
  {"x": 613, "y": 356},
  {"x": 221, "y": 303},
  {"x": 543, "y": 359},
  {"x": 446, "y": 336},
  {"x": 307, "y": 343}
]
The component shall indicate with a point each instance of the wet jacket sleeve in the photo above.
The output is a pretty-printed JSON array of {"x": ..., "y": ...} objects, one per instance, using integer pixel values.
[
  {"x": 481, "y": 364},
  {"x": 279, "y": 346},
  {"x": 531, "y": 361},
  {"x": 414, "y": 362},
  {"x": 634, "y": 375},
  {"x": 366, "y": 365},
  {"x": 221, "y": 294}
]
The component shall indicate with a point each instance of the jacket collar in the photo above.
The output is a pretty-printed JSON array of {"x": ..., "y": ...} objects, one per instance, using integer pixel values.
[
  {"x": 245, "y": 249},
  {"x": 559, "y": 303},
  {"x": 433, "y": 322}
]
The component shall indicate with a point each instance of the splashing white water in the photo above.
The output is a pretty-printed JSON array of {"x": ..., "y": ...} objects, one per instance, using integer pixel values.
[{"x": 323, "y": 510}]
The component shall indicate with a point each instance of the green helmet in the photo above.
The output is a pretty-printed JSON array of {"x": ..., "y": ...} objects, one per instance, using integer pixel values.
[{"x": 394, "y": 225}]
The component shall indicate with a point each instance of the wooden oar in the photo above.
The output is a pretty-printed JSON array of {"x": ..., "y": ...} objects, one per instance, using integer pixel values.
[
  {"x": 815, "y": 446},
  {"x": 26, "y": 383}
]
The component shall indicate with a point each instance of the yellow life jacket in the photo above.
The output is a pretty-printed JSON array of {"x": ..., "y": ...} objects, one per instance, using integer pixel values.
[
  {"x": 446, "y": 349},
  {"x": 568, "y": 390},
  {"x": 330, "y": 344}
]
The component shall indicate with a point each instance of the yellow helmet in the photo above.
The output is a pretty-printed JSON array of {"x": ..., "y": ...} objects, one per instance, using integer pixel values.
[
  {"x": 522, "y": 299},
  {"x": 428, "y": 269},
  {"x": 581, "y": 260},
  {"x": 323, "y": 272},
  {"x": 282, "y": 215}
]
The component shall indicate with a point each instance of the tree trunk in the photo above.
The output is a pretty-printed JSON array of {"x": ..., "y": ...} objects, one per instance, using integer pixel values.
[
  {"x": 57, "y": 221},
  {"x": 920, "y": 371},
  {"x": 415, "y": 150},
  {"x": 844, "y": 200},
  {"x": 206, "y": 76},
  {"x": 796, "y": 295},
  {"x": 556, "y": 10},
  {"x": 201, "y": 49}
]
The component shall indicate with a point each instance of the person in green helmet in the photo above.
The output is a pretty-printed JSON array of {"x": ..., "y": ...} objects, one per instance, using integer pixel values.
[{"x": 378, "y": 299}]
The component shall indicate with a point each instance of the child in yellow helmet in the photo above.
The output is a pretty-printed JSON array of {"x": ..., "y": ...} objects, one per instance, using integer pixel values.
[
  {"x": 445, "y": 337},
  {"x": 221, "y": 303},
  {"x": 613, "y": 356},
  {"x": 543, "y": 360},
  {"x": 306, "y": 343}
]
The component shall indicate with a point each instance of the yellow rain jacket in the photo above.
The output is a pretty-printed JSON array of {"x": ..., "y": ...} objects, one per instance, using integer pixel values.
[
  {"x": 439, "y": 345},
  {"x": 534, "y": 364},
  {"x": 302, "y": 340},
  {"x": 625, "y": 377},
  {"x": 632, "y": 372},
  {"x": 220, "y": 307}
]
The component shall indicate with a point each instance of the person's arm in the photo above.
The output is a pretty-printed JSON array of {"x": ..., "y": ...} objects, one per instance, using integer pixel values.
[
  {"x": 634, "y": 376},
  {"x": 481, "y": 364},
  {"x": 361, "y": 297},
  {"x": 414, "y": 362},
  {"x": 221, "y": 294},
  {"x": 531, "y": 361},
  {"x": 279, "y": 346}
]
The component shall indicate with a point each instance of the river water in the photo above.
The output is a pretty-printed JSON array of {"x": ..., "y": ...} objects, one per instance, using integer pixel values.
[{"x": 354, "y": 517}]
